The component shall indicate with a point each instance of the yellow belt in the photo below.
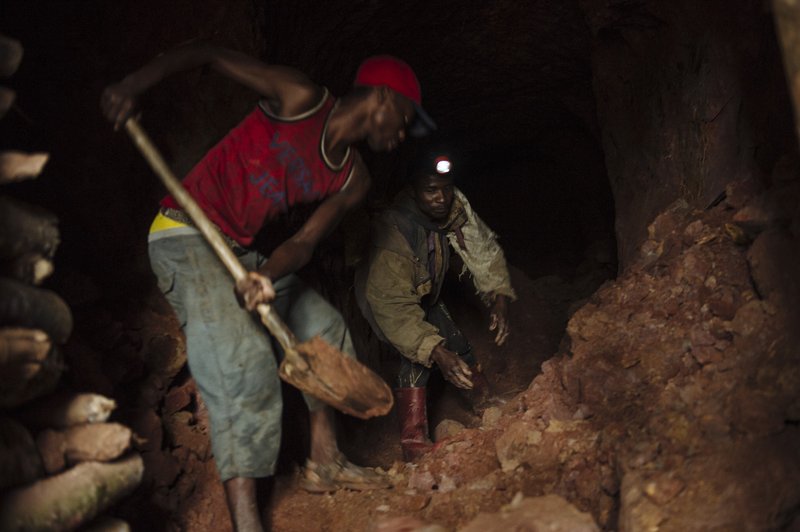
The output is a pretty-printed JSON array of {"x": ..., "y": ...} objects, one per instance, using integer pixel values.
[{"x": 161, "y": 222}]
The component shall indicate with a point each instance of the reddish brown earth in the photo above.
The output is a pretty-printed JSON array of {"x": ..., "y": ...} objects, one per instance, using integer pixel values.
[
  {"x": 670, "y": 403},
  {"x": 422, "y": 491},
  {"x": 181, "y": 489}
]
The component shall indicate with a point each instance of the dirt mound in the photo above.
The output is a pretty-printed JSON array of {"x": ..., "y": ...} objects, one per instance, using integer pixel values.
[{"x": 671, "y": 404}]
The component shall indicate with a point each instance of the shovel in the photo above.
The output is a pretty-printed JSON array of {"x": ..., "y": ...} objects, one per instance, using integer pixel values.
[{"x": 314, "y": 366}]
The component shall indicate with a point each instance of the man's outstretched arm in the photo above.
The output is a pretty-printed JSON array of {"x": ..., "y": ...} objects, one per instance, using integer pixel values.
[{"x": 288, "y": 91}]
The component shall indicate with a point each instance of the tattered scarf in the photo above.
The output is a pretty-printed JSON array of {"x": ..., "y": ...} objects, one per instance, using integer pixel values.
[{"x": 438, "y": 253}]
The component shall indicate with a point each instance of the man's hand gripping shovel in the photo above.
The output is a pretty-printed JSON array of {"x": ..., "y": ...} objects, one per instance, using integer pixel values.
[{"x": 314, "y": 366}]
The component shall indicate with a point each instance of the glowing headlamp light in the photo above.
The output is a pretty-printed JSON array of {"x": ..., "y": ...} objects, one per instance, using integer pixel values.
[{"x": 442, "y": 165}]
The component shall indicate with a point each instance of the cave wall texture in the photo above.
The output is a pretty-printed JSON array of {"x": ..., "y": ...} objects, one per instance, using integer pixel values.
[
  {"x": 580, "y": 122},
  {"x": 691, "y": 96}
]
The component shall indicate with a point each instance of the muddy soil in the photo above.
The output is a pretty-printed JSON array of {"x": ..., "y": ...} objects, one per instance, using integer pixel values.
[
  {"x": 670, "y": 402},
  {"x": 538, "y": 321}
]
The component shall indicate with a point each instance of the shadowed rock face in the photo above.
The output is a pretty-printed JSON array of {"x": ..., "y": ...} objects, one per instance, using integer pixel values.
[
  {"x": 688, "y": 393},
  {"x": 681, "y": 99},
  {"x": 594, "y": 132}
]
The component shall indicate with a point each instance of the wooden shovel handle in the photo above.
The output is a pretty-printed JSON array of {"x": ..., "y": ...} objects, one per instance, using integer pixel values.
[{"x": 270, "y": 319}]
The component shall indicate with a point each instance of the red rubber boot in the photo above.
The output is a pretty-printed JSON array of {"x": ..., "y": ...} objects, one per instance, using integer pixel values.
[{"x": 412, "y": 412}]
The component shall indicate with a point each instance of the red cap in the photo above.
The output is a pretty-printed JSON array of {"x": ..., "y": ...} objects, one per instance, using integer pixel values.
[
  {"x": 392, "y": 72},
  {"x": 397, "y": 75}
]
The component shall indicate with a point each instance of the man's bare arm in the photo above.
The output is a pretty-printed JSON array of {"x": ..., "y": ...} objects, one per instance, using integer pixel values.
[
  {"x": 498, "y": 319},
  {"x": 295, "y": 252},
  {"x": 288, "y": 91}
]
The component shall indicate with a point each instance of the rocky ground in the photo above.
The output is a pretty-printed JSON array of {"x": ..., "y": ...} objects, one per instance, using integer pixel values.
[{"x": 671, "y": 403}]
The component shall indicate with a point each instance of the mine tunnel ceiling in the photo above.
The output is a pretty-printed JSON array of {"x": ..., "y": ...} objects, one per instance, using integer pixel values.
[
  {"x": 510, "y": 86},
  {"x": 492, "y": 73}
]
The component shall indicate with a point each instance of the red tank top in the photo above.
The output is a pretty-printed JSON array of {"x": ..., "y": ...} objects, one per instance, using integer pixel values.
[{"x": 262, "y": 167}]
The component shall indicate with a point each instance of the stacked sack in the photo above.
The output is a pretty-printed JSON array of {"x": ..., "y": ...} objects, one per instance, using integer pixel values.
[{"x": 62, "y": 464}]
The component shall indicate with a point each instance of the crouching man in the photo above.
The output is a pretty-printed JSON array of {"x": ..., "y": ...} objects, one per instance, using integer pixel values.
[{"x": 398, "y": 289}]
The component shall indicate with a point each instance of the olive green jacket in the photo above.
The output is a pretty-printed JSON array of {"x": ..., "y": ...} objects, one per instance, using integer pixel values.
[{"x": 394, "y": 285}]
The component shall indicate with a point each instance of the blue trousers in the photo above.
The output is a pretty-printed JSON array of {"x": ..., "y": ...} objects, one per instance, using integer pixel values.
[{"x": 231, "y": 355}]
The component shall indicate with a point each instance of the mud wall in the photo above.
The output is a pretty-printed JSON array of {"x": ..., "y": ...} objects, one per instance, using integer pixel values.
[{"x": 690, "y": 96}]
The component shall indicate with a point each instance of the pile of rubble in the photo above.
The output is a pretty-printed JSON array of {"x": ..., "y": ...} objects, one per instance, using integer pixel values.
[
  {"x": 674, "y": 400},
  {"x": 678, "y": 391}
]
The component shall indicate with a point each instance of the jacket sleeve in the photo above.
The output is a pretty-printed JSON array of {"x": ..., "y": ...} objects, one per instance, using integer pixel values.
[
  {"x": 395, "y": 304},
  {"x": 483, "y": 256}
]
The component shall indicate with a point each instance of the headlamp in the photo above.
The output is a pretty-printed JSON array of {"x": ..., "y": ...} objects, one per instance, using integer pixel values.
[{"x": 442, "y": 165}]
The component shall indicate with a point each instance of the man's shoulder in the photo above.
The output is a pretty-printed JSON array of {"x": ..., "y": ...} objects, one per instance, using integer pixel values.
[
  {"x": 395, "y": 230},
  {"x": 460, "y": 194},
  {"x": 460, "y": 200},
  {"x": 394, "y": 216},
  {"x": 302, "y": 102}
]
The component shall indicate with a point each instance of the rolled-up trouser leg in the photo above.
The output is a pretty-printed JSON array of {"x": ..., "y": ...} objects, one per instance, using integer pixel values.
[
  {"x": 230, "y": 355},
  {"x": 308, "y": 314},
  {"x": 415, "y": 375}
]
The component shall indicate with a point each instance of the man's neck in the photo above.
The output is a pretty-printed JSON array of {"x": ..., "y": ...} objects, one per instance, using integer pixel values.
[{"x": 345, "y": 127}]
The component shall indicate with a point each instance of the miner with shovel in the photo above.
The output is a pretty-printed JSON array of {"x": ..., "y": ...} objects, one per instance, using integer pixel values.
[{"x": 293, "y": 148}]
